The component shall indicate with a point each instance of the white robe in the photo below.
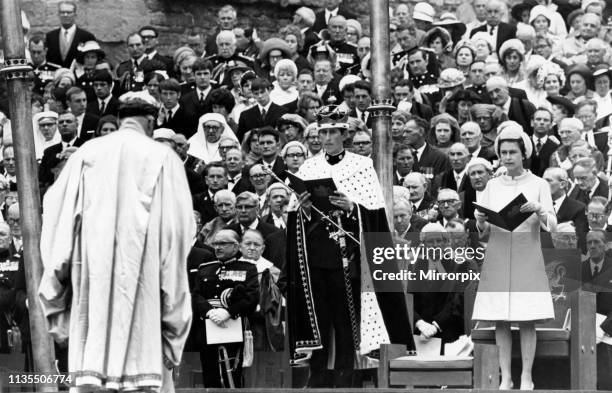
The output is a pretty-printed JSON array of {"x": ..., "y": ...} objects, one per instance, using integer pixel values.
[{"x": 117, "y": 227}]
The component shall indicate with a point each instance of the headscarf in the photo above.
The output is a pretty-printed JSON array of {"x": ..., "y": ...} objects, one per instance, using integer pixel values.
[
  {"x": 40, "y": 144},
  {"x": 200, "y": 148}
]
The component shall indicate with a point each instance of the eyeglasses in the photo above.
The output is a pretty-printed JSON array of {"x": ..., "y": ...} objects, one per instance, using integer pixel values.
[
  {"x": 259, "y": 176},
  {"x": 294, "y": 155},
  {"x": 596, "y": 215},
  {"x": 364, "y": 143},
  {"x": 12, "y": 221},
  {"x": 45, "y": 125},
  {"x": 447, "y": 202},
  {"x": 211, "y": 128},
  {"x": 227, "y": 147}
]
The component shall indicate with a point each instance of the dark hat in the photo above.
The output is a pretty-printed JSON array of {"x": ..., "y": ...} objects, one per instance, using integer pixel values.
[
  {"x": 582, "y": 70},
  {"x": 102, "y": 76},
  {"x": 448, "y": 19},
  {"x": 518, "y": 9},
  {"x": 234, "y": 65},
  {"x": 602, "y": 69},
  {"x": 466, "y": 95},
  {"x": 573, "y": 15},
  {"x": 332, "y": 116},
  {"x": 89, "y": 46},
  {"x": 564, "y": 102}
]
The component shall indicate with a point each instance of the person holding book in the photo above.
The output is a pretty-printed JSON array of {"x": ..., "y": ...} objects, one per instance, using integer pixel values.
[
  {"x": 328, "y": 273},
  {"x": 514, "y": 286}
]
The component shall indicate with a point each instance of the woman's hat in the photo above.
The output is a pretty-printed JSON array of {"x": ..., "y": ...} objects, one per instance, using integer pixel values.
[
  {"x": 582, "y": 70},
  {"x": 274, "y": 43},
  {"x": 518, "y": 9},
  {"x": 465, "y": 95},
  {"x": 564, "y": 102},
  {"x": 513, "y": 43},
  {"x": 424, "y": 12},
  {"x": 601, "y": 70},
  {"x": 540, "y": 10},
  {"x": 447, "y": 41},
  {"x": 89, "y": 46},
  {"x": 513, "y": 131},
  {"x": 450, "y": 77},
  {"x": 450, "y": 19}
]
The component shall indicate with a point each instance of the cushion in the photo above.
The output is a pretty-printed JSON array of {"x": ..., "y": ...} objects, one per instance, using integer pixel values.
[{"x": 432, "y": 362}]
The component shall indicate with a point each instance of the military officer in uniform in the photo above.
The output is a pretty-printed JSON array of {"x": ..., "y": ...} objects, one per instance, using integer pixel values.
[
  {"x": 226, "y": 44},
  {"x": 44, "y": 71},
  {"x": 225, "y": 289},
  {"x": 11, "y": 312},
  {"x": 346, "y": 52},
  {"x": 423, "y": 71}
]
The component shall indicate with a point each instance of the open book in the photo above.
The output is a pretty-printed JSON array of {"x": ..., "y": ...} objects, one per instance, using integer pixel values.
[
  {"x": 509, "y": 217},
  {"x": 319, "y": 189}
]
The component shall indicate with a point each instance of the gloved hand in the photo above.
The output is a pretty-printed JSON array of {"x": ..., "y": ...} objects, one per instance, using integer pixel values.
[{"x": 427, "y": 330}]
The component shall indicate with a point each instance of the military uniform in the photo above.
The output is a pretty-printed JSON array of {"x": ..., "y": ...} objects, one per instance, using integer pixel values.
[
  {"x": 43, "y": 74},
  {"x": 86, "y": 82},
  {"x": 231, "y": 285},
  {"x": 9, "y": 267},
  {"x": 346, "y": 57}
]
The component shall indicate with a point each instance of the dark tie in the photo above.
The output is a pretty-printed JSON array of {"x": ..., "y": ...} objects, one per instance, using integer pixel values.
[
  {"x": 595, "y": 270},
  {"x": 363, "y": 117},
  {"x": 492, "y": 30},
  {"x": 583, "y": 197},
  {"x": 102, "y": 107},
  {"x": 201, "y": 97},
  {"x": 263, "y": 114},
  {"x": 555, "y": 206},
  {"x": 538, "y": 146}
]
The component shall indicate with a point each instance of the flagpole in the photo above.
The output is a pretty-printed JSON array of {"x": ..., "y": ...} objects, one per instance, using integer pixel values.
[{"x": 17, "y": 73}]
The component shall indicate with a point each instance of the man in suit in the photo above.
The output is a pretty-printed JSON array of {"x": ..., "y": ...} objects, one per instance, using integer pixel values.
[
  {"x": 269, "y": 141},
  {"x": 421, "y": 199},
  {"x": 304, "y": 18},
  {"x": 149, "y": 36},
  {"x": 105, "y": 103},
  {"x": 449, "y": 206},
  {"x": 67, "y": 127},
  {"x": 405, "y": 222},
  {"x": 500, "y": 31},
  {"x": 265, "y": 113},
  {"x": 247, "y": 208},
  {"x": 63, "y": 42},
  {"x": 567, "y": 209},
  {"x": 332, "y": 8},
  {"x": 403, "y": 160},
  {"x": 326, "y": 82},
  {"x": 457, "y": 178},
  {"x": 586, "y": 111},
  {"x": 227, "y": 19},
  {"x": 596, "y": 274},
  {"x": 403, "y": 93},
  {"x": 215, "y": 176},
  {"x": 277, "y": 200},
  {"x": 586, "y": 183},
  {"x": 173, "y": 115},
  {"x": 427, "y": 156},
  {"x": 544, "y": 144},
  {"x": 471, "y": 136},
  {"x": 518, "y": 110},
  {"x": 495, "y": 69},
  {"x": 479, "y": 172},
  {"x": 234, "y": 162},
  {"x": 597, "y": 214},
  {"x": 363, "y": 100},
  {"x": 438, "y": 305},
  {"x": 346, "y": 52},
  {"x": 76, "y": 98},
  {"x": 227, "y": 54},
  {"x": 198, "y": 100}
]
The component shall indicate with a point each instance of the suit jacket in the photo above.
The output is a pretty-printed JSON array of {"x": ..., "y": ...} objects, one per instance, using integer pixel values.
[
  {"x": 191, "y": 103},
  {"x": 601, "y": 141},
  {"x": 166, "y": 60},
  {"x": 332, "y": 90},
  {"x": 112, "y": 108},
  {"x": 540, "y": 162},
  {"x": 88, "y": 127},
  {"x": 601, "y": 190},
  {"x": 434, "y": 158},
  {"x": 487, "y": 153},
  {"x": 505, "y": 32},
  {"x": 521, "y": 111},
  {"x": 278, "y": 168},
  {"x": 467, "y": 194},
  {"x": 434, "y": 303},
  {"x": 603, "y": 286},
  {"x": 421, "y": 110},
  {"x": 183, "y": 122},
  {"x": 49, "y": 161},
  {"x": 574, "y": 211},
  {"x": 586, "y": 274},
  {"x": 204, "y": 204},
  {"x": 353, "y": 113},
  {"x": 275, "y": 241},
  {"x": 54, "y": 54},
  {"x": 310, "y": 38},
  {"x": 251, "y": 118},
  {"x": 320, "y": 22}
]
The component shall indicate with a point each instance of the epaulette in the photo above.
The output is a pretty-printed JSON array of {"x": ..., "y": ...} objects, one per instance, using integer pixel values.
[
  {"x": 246, "y": 58},
  {"x": 351, "y": 44},
  {"x": 53, "y": 64},
  {"x": 207, "y": 263}
]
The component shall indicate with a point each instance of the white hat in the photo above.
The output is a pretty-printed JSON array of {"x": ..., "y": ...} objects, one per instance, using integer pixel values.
[
  {"x": 424, "y": 11},
  {"x": 164, "y": 133},
  {"x": 45, "y": 115},
  {"x": 479, "y": 161},
  {"x": 497, "y": 82},
  {"x": 514, "y": 131},
  {"x": 347, "y": 80}
]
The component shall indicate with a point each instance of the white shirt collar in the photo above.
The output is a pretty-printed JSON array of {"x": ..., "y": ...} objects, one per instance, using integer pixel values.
[
  {"x": 174, "y": 109},
  {"x": 558, "y": 202},
  {"x": 266, "y": 108},
  {"x": 542, "y": 139},
  {"x": 71, "y": 30},
  {"x": 506, "y": 106},
  {"x": 417, "y": 204},
  {"x": 420, "y": 151},
  {"x": 329, "y": 14},
  {"x": 105, "y": 100},
  {"x": 151, "y": 55},
  {"x": 592, "y": 191},
  {"x": 252, "y": 226},
  {"x": 205, "y": 91},
  {"x": 66, "y": 144},
  {"x": 476, "y": 152}
]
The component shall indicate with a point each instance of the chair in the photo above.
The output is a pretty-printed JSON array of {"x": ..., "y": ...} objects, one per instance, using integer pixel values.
[{"x": 570, "y": 336}]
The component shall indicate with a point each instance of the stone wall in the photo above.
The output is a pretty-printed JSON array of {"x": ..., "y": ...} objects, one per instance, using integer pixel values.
[{"x": 112, "y": 20}]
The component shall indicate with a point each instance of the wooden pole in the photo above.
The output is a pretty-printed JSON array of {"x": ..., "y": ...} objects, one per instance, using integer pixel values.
[
  {"x": 382, "y": 105},
  {"x": 17, "y": 73}
]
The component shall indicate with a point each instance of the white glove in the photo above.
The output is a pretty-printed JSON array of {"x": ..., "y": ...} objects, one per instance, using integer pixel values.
[
  {"x": 218, "y": 316},
  {"x": 427, "y": 330}
]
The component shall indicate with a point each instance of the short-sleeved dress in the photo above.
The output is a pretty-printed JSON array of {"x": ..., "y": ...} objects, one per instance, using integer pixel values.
[{"x": 514, "y": 286}]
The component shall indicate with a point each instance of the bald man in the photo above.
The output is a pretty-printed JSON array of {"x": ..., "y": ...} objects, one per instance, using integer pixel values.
[
  {"x": 573, "y": 50},
  {"x": 332, "y": 8},
  {"x": 456, "y": 178},
  {"x": 519, "y": 110}
]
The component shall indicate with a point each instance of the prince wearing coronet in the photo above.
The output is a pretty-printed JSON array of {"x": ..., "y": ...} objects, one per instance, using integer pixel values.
[{"x": 331, "y": 286}]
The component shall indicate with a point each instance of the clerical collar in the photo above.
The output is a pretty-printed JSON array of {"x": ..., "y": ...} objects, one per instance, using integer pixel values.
[{"x": 334, "y": 159}]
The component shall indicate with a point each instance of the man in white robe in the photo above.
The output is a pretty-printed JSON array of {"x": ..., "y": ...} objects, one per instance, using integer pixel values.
[{"x": 117, "y": 228}]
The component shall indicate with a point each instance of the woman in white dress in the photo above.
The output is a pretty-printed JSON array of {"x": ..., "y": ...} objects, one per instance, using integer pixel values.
[{"x": 514, "y": 286}]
